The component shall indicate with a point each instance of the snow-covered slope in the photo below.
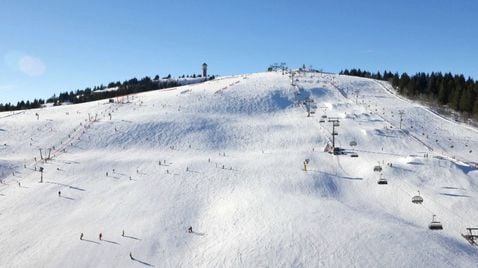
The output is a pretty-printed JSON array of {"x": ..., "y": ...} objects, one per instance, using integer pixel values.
[{"x": 226, "y": 157}]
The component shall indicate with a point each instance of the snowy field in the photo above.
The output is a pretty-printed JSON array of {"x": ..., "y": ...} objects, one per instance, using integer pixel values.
[{"x": 227, "y": 158}]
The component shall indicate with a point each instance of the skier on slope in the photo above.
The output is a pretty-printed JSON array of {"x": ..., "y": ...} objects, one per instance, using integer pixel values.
[
  {"x": 190, "y": 229},
  {"x": 81, "y": 236},
  {"x": 100, "y": 236}
]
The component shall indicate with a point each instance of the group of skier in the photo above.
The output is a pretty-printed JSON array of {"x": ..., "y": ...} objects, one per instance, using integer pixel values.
[{"x": 100, "y": 236}]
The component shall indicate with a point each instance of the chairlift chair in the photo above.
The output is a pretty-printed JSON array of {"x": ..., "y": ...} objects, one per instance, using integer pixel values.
[
  {"x": 435, "y": 225},
  {"x": 417, "y": 199},
  {"x": 377, "y": 169},
  {"x": 321, "y": 121},
  {"x": 382, "y": 180}
]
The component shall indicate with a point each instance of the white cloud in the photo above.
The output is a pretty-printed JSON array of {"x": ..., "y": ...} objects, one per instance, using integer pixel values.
[{"x": 31, "y": 66}]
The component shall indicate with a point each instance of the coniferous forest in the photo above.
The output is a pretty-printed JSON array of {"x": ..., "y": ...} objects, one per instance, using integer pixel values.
[
  {"x": 444, "y": 90},
  {"x": 97, "y": 93}
]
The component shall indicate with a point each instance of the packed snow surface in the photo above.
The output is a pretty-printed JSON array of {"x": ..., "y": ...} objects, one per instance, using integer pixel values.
[{"x": 226, "y": 157}]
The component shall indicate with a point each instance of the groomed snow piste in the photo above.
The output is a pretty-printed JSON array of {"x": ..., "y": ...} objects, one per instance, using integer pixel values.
[{"x": 227, "y": 158}]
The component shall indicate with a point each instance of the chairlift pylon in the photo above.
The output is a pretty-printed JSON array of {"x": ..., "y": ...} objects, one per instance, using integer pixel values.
[
  {"x": 470, "y": 237},
  {"x": 417, "y": 199},
  {"x": 435, "y": 225}
]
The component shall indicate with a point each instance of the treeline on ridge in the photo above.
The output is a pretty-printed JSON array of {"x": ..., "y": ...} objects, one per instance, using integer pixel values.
[
  {"x": 454, "y": 91},
  {"x": 116, "y": 89}
]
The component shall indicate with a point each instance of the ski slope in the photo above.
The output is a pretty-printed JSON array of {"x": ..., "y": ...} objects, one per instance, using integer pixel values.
[{"x": 226, "y": 157}]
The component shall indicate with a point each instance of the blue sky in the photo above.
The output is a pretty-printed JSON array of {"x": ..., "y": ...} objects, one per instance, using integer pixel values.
[{"x": 52, "y": 46}]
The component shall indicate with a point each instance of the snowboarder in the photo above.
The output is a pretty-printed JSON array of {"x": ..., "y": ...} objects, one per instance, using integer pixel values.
[
  {"x": 101, "y": 235},
  {"x": 81, "y": 236},
  {"x": 131, "y": 256},
  {"x": 190, "y": 229}
]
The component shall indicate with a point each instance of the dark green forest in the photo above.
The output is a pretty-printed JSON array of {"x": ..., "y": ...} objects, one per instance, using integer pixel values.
[
  {"x": 96, "y": 93},
  {"x": 445, "y": 90}
]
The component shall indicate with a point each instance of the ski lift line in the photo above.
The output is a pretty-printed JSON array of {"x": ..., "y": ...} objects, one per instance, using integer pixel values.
[
  {"x": 414, "y": 136},
  {"x": 77, "y": 133},
  {"x": 408, "y": 102},
  {"x": 425, "y": 207},
  {"x": 416, "y": 139},
  {"x": 428, "y": 209},
  {"x": 409, "y": 134}
]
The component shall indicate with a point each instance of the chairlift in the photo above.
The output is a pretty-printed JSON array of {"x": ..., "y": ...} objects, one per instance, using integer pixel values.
[
  {"x": 382, "y": 180},
  {"x": 354, "y": 155},
  {"x": 417, "y": 199},
  {"x": 321, "y": 121},
  {"x": 435, "y": 225},
  {"x": 377, "y": 169},
  {"x": 324, "y": 116},
  {"x": 470, "y": 237}
]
